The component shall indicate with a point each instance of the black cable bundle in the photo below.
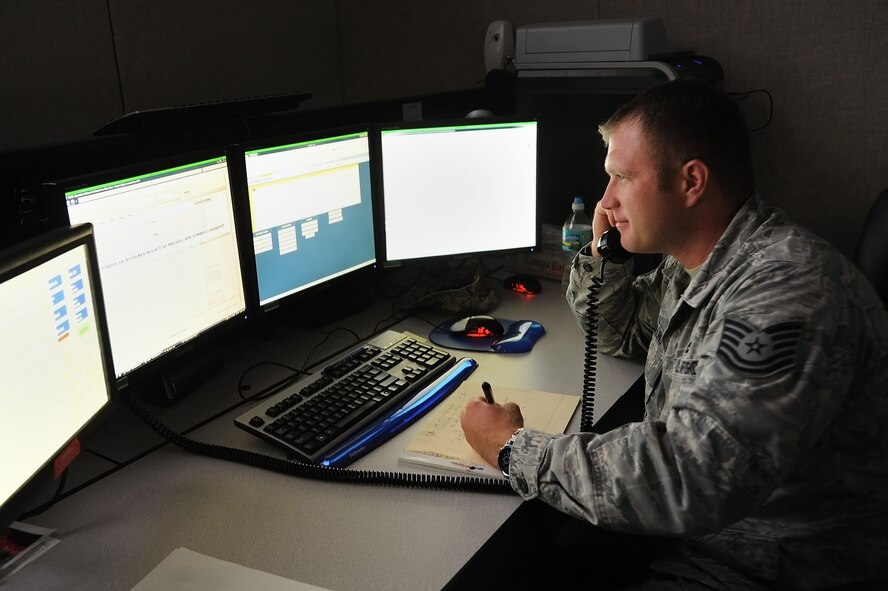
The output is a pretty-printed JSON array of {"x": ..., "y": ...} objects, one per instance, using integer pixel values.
[{"x": 314, "y": 471}]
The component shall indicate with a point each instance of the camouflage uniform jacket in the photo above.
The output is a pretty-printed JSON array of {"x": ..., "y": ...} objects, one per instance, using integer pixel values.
[{"x": 765, "y": 438}]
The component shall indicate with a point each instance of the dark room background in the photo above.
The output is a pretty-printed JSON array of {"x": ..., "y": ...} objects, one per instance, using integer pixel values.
[{"x": 70, "y": 66}]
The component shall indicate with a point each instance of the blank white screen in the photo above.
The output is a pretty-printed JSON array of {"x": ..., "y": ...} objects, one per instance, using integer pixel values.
[{"x": 459, "y": 189}]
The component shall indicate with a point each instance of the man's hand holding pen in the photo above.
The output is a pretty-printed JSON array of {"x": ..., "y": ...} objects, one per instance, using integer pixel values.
[{"x": 489, "y": 425}]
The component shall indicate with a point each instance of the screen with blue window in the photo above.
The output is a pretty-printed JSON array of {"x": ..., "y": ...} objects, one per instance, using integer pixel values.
[{"x": 311, "y": 211}]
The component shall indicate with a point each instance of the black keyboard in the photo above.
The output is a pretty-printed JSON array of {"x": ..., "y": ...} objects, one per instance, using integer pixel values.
[{"x": 317, "y": 415}]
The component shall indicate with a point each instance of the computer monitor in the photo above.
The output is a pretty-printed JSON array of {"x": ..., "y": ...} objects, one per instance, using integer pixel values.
[
  {"x": 458, "y": 188},
  {"x": 168, "y": 253},
  {"x": 54, "y": 361},
  {"x": 311, "y": 210}
]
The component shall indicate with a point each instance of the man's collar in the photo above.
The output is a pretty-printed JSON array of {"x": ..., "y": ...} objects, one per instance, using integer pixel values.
[{"x": 744, "y": 224}]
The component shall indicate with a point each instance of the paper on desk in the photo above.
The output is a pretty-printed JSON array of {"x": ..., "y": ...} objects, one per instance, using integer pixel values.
[
  {"x": 187, "y": 570},
  {"x": 21, "y": 544},
  {"x": 440, "y": 442}
]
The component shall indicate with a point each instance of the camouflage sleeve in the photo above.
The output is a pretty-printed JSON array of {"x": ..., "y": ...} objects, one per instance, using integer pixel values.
[
  {"x": 723, "y": 440},
  {"x": 627, "y": 309},
  {"x": 641, "y": 478}
]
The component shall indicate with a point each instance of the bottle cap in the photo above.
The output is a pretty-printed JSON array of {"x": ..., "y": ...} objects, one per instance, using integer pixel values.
[{"x": 578, "y": 203}]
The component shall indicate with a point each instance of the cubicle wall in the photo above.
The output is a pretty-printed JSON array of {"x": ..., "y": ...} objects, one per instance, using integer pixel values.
[
  {"x": 70, "y": 67},
  {"x": 182, "y": 52},
  {"x": 58, "y": 71}
]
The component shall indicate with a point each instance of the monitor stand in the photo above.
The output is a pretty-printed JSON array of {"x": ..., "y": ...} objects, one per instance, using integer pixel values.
[
  {"x": 181, "y": 376},
  {"x": 328, "y": 305},
  {"x": 319, "y": 308}
]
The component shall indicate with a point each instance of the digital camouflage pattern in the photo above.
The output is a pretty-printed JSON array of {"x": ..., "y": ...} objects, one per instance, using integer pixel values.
[{"x": 765, "y": 438}]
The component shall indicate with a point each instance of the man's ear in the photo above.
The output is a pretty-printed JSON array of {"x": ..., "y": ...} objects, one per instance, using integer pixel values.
[{"x": 694, "y": 177}]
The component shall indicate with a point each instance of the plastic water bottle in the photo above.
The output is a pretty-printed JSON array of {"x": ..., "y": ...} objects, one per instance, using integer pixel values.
[
  {"x": 577, "y": 229},
  {"x": 575, "y": 234}
]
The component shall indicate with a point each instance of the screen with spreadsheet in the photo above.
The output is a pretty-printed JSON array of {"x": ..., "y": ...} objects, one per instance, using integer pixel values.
[
  {"x": 168, "y": 252},
  {"x": 311, "y": 210}
]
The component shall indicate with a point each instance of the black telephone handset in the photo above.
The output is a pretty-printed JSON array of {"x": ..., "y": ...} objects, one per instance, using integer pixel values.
[
  {"x": 611, "y": 251},
  {"x": 610, "y": 248}
]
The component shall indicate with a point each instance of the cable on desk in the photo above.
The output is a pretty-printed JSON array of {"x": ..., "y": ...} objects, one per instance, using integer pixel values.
[
  {"x": 313, "y": 471},
  {"x": 275, "y": 387},
  {"x": 390, "y": 321},
  {"x": 400, "y": 290},
  {"x": 297, "y": 373},
  {"x": 108, "y": 459},
  {"x": 118, "y": 465},
  {"x": 326, "y": 338},
  {"x": 55, "y": 498}
]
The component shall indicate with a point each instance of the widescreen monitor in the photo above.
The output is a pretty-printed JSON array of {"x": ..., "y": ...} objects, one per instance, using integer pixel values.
[
  {"x": 311, "y": 212},
  {"x": 458, "y": 188},
  {"x": 168, "y": 254},
  {"x": 54, "y": 361}
]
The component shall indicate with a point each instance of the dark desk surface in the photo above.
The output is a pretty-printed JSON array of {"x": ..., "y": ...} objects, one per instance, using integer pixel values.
[{"x": 338, "y": 536}]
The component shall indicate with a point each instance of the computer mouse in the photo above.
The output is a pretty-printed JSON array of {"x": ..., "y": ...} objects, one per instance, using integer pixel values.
[
  {"x": 477, "y": 326},
  {"x": 524, "y": 284}
]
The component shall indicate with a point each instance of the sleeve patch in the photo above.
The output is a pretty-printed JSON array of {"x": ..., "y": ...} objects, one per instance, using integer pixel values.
[{"x": 757, "y": 353}]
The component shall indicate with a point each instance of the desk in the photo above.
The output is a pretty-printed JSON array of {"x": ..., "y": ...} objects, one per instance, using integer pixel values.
[{"x": 338, "y": 536}]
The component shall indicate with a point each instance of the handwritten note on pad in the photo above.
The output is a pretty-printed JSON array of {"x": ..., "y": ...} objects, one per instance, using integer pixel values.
[{"x": 440, "y": 442}]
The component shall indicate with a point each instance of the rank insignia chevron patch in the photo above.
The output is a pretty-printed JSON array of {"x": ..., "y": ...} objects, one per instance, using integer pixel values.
[{"x": 758, "y": 353}]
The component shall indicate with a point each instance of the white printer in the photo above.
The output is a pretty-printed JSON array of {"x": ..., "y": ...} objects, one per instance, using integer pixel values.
[{"x": 592, "y": 45}]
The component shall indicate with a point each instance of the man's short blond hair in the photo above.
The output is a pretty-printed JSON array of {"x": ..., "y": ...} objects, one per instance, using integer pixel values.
[{"x": 684, "y": 120}]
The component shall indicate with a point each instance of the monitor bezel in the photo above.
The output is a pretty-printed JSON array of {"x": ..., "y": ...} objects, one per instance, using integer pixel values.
[
  {"x": 290, "y": 303},
  {"x": 379, "y": 189},
  {"x": 151, "y": 377},
  {"x": 21, "y": 258}
]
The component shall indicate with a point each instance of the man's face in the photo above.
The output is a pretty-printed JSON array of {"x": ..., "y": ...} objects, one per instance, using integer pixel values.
[{"x": 637, "y": 206}]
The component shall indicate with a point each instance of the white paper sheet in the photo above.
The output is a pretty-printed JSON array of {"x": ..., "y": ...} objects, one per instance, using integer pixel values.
[{"x": 187, "y": 570}]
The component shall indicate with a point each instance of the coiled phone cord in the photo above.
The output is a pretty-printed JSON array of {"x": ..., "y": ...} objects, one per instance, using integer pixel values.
[
  {"x": 314, "y": 471},
  {"x": 611, "y": 250},
  {"x": 590, "y": 357}
]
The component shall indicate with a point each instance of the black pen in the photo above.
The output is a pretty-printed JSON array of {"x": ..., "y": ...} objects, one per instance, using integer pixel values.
[{"x": 488, "y": 393}]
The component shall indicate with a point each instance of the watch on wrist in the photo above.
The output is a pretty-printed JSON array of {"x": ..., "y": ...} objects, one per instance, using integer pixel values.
[{"x": 505, "y": 454}]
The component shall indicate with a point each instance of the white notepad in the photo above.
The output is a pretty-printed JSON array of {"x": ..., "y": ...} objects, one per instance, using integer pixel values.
[{"x": 441, "y": 443}]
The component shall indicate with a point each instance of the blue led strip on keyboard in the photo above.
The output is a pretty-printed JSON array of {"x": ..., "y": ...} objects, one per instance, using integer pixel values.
[{"x": 381, "y": 432}]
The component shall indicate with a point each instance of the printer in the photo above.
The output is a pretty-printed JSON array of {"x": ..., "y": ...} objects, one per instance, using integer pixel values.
[
  {"x": 622, "y": 48},
  {"x": 590, "y": 44}
]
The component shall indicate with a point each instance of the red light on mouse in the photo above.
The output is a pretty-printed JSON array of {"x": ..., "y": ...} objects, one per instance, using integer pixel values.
[
  {"x": 520, "y": 288},
  {"x": 480, "y": 332}
]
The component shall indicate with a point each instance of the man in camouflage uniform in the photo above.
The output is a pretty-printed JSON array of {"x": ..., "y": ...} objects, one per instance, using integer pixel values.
[{"x": 764, "y": 448}]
